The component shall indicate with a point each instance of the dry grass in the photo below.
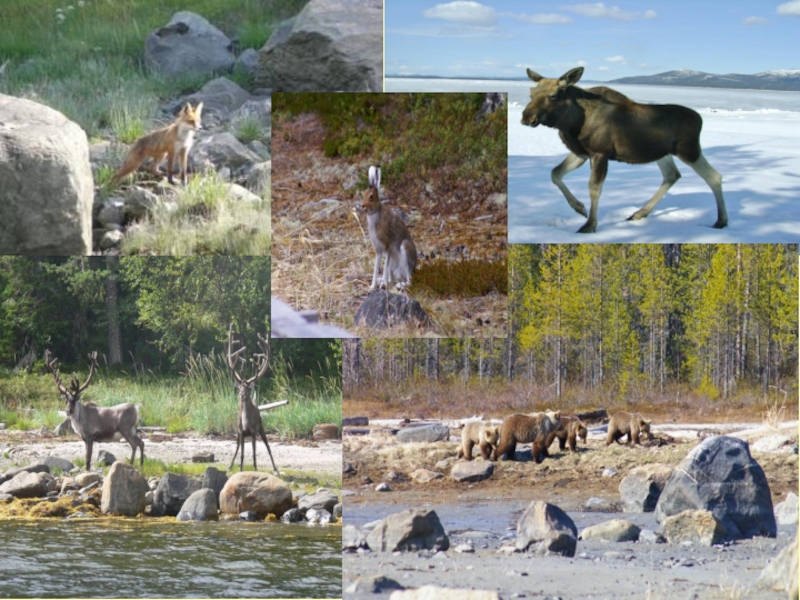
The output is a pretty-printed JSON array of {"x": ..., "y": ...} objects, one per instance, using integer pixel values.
[{"x": 322, "y": 258}]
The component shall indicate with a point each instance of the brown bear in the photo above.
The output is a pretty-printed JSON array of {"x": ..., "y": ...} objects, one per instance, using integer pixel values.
[
  {"x": 570, "y": 429},
  {"x": 526, "y": 429},
  {"x": 631, "y": 424},
  {"x": 482, "y": 433}
]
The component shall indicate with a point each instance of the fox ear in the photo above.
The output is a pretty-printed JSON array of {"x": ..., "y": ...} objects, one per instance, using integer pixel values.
[{"x": 198, "y": 109}]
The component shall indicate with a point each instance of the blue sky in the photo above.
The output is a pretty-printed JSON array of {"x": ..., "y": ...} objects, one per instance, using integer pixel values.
[{"x": 610, "y": 39}]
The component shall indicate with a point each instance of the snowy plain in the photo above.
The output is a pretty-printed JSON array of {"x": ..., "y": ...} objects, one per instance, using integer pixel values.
[{"x": 752, "y": 137}]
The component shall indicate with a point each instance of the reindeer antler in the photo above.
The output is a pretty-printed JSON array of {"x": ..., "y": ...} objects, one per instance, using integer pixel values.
[
  {"x": 233, "y": 356},
  {"x": 52, "y": 366},
  {"x": 93, "y": 359},
  {"x": 261, "y": 359}
]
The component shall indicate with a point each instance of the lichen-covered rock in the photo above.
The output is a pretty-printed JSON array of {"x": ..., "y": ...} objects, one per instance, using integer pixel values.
[
  {"x": 780, "y": 574},
  {"x": 260, "y": 493},
  {"x": 616, "y": 530},
  {"x": 720, "y": 475},
  {"x": 384, "y": 309},
  {"x": 786, "y": 511},
  {"x": 700, "y": 527},
  {"x": 215, "y": 480},
  {"x": 412, "y": 529},
  {"x": 123, "y": 491}
]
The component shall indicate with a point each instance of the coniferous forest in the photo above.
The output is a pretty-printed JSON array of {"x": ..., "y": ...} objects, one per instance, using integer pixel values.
[{"x": 593, "y": 323}]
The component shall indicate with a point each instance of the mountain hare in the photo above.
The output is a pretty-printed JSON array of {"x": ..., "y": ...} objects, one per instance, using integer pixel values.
[{"x": 389, "y": 236}]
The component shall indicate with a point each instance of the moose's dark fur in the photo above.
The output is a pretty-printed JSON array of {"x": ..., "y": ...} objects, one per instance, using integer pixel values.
[{"x": 601, "y": 124}]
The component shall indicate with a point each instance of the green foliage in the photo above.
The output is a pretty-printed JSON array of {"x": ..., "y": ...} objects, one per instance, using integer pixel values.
[
  {"x": 643, "y": 316},
  {"x": 462, "y": 278},
  {"x": 411, "y": 133},
  {"x": 248, "y": 130}
]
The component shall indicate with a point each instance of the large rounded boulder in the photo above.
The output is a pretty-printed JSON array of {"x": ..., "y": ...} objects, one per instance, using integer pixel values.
[
  {"x": 46, "y": 187},
  {"x": 260, "y": 493},
  {"x": 719, "y": 475},
  {"x": 124, "y": 491}
]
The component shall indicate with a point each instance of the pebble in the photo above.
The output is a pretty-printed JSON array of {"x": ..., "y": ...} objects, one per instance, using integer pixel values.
[
  {"x": 465, "y": 548},
  {"x": 383, "y": 487},
  {"x": 609, "y": 472}
]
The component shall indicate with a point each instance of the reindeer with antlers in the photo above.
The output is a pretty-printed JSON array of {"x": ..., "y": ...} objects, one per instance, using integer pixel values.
[
  {"x": 97, "y": 423},
  {"x": 249, "y": 421}
]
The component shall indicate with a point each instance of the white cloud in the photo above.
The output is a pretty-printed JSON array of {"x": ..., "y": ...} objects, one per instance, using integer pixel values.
[
  {"x": 464, "y": 12},
  {"x": 754, "y": 21},
  {"x": 603, "y": 68},
  {"x": 599, "y": 10},
  {"x": 541, "y": 18},
  {"x": 582, "y": 63},
  {"x": 620, "y": 60},
  {"x": 789, "y": 9}
]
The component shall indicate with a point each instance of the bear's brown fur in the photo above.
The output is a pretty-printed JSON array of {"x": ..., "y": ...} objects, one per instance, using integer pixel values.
[
  {"x": 482, "y": 433},
  {"x": 631, "y": 424},
  {"x": 570, "y": 429},
  {"x": 527, "y": 429}
]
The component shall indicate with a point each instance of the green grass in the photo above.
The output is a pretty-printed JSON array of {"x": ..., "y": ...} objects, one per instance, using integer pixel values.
[
  {"x": 203, "y": 400},
  {"x": 204, "y": 220},
  {"x": 248, "y": 130},
  {"x": 87, "y": 62}
]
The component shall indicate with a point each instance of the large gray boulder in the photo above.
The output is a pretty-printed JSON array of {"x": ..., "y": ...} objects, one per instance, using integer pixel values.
[
  {"x": 720, "y": 476},
  {"x": 548, "y": 529},
  {"x": 172, "y": 491},
  {"x": 321, "y": 499},
  {"x": 426, "y": 434},
  {"x": 123, "y": 491},
  {"x": 62, "y": 464},
  {"x": 332, "y": 45},
  {"x": 215, "y": 480},
  {"x": 641, "y": 487},
  {"x": 384, "y": 309},
  {"x": 288, "y": 323},
  {"x": 472, "y": 471},
  {"x": 27, "y": 485},
  {"x": 224, "y": 150},
  {"x": 256, "y": 492},
  {"x": 200, "y": 506},
  {"x": 188, "y": 44},
  {"x": 412, "y": 529},
  {"x": 34, "y": 468},
  {"x": 46, "y": 186}
]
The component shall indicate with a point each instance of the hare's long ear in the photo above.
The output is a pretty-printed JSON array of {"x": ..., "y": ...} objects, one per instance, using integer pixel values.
[{"x": 375, "y": 177}]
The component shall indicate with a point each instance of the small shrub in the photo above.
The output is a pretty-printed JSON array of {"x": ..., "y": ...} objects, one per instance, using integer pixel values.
[
  {"x": 249, "y": 130},
  {"x": 462, "y": 278}
]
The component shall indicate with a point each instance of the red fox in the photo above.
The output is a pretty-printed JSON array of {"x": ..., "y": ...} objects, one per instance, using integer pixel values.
[{"x": 165, "y": 142}]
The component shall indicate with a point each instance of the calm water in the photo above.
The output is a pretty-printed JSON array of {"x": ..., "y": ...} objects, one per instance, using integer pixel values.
[{"x": 151, "y": 559}]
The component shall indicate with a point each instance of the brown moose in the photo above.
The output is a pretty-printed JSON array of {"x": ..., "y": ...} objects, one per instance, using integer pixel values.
[{"x": 601, "y": 124}]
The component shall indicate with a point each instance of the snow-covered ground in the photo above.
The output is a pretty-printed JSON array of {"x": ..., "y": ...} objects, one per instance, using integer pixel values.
[{"x": 752, "y": 137}]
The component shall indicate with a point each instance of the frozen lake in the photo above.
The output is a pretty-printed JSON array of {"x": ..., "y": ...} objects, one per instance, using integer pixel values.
[{"x": 752, "y": 137}]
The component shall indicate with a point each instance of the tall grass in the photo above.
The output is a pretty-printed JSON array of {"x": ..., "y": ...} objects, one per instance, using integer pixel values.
[
  {"x": 206, "y": 219},
  {"x": 203, "y": 400}
]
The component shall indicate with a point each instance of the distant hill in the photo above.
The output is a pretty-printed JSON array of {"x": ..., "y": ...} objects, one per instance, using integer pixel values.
[{"x": 783, "y": 79}]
